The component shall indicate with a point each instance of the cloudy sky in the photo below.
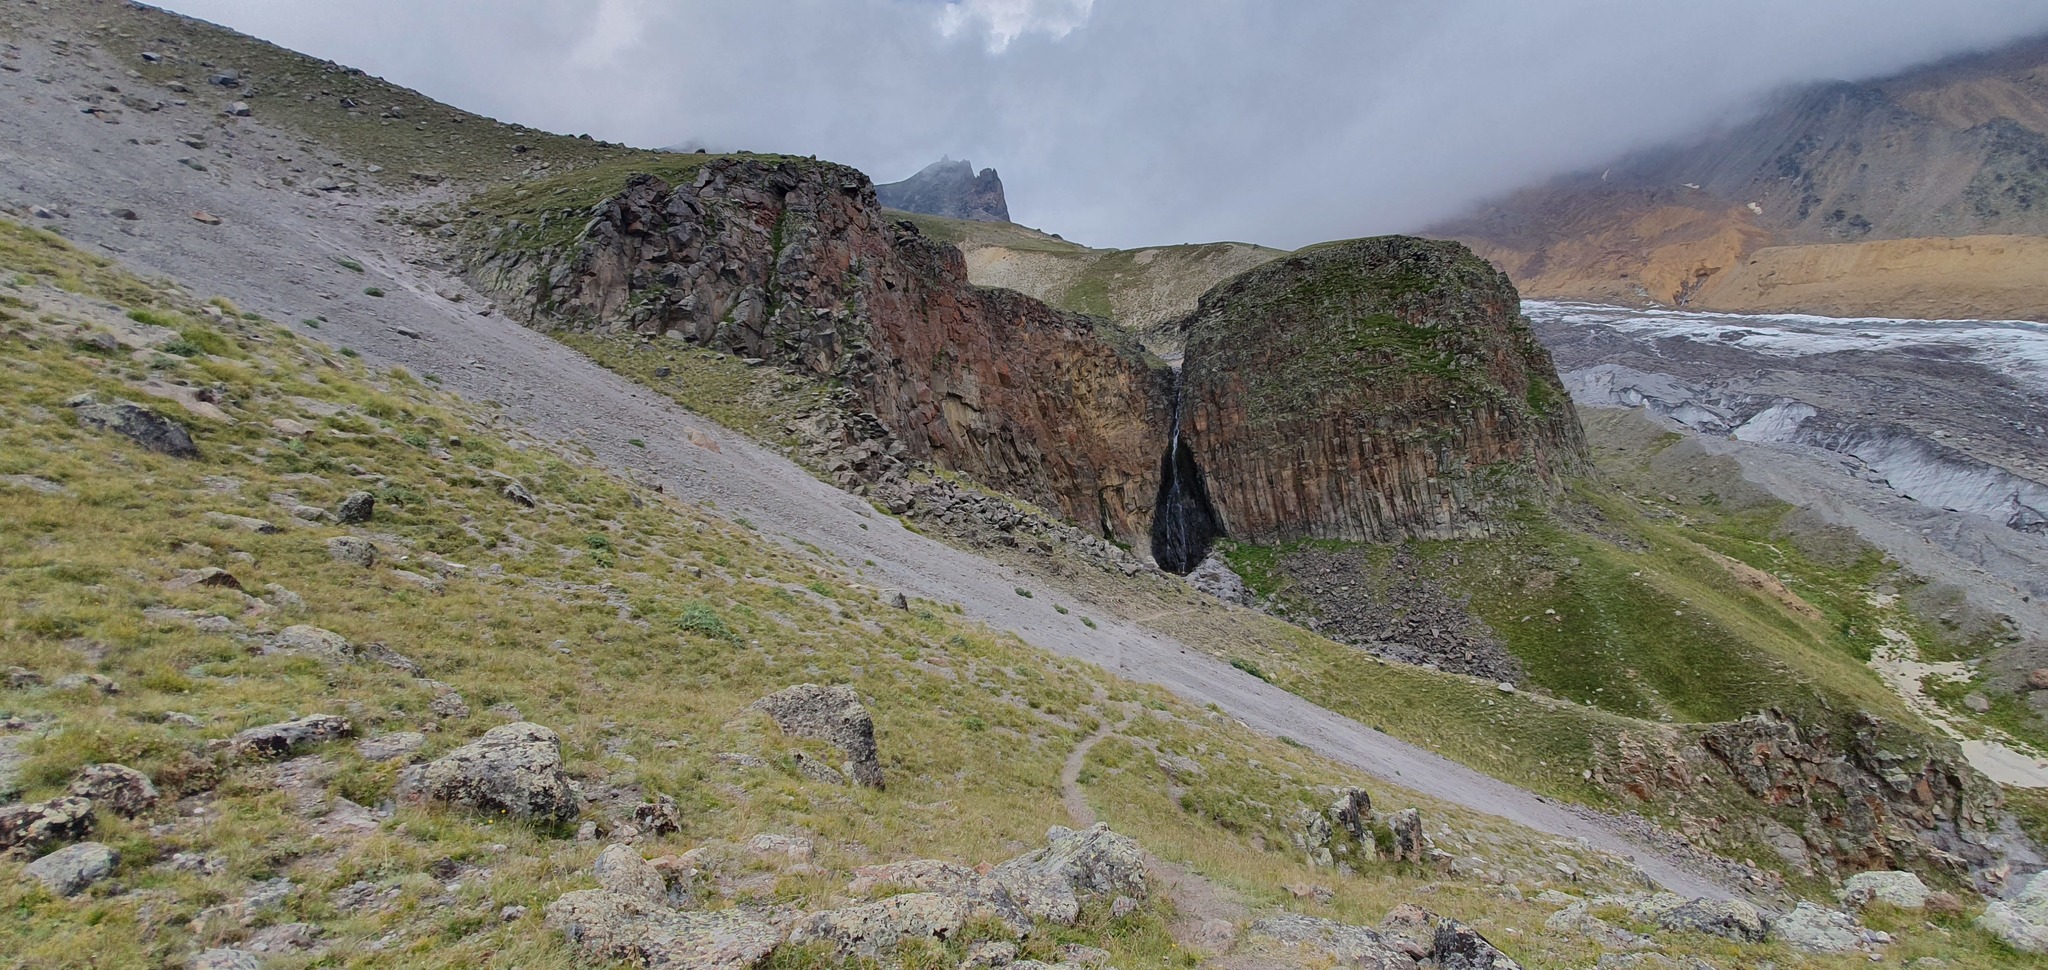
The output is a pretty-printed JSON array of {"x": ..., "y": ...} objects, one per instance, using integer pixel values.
[{"x": 1131, "y": 122}]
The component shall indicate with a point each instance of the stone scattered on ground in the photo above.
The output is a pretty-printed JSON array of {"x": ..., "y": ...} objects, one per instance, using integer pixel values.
[
  {"x": 314, "y": 642},
  {"x": 356, "y": 508},
  {"x": 831, "y": 714},
  {"x": 211, "y": 577},
  {"x": 115, "y": 788},
  {"x": 985, "y": 895},
  {"x": 2021, "y": 921},
  {"x": 224, "y": 958},
  {"x": 30, "y": 829},
  {"x": 138, "y": 424},
  {"x": 513, "y": 770},
  {"x": 99, "y": 683},
  {"x": 73, "y": 869},
  {"x": 352, "y": 550},
  {"x": 280, "y": 740},
  {"x": 1818, "y": 929},
  {"x": 243, "y": 522},
  {"x": 1411, "y": 843},
  {"x": 390, "y": 747},
  {"x": 1901, "y": 889},
  {"x": 621, "y": 870}
]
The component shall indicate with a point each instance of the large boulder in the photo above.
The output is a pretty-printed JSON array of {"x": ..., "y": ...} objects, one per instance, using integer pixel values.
[
  {"x": 1729, "y": 918},
  {"x": 115, "y": 788},
  {"x": 1074, "y": 868},
  {"x": 138, "y": 424},
  {"x": 73, "y": 869},
  {"x": 641, "y": 932},
  {"x": 874, "y": 930},
  {"x": 831, "y": 714},
  {"x": 1321, "y": 940},
  {"x": 1901, "y": 889},
  {"x": 1817, "y": 929},
  {"x": 513, "y": 770},
  {"x": 985, "y": 895},
  {"x": 289, "y": 737},
  {"x": 29, "y": 829},
  {"x": 2022, "y": 921}
]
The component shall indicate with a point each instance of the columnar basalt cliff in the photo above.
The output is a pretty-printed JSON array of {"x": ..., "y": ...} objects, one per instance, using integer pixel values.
[
  {"x": 792, "y": 261},
  {"x": 1365, "y": 390},
  {"x": 1371, "y": 390}
]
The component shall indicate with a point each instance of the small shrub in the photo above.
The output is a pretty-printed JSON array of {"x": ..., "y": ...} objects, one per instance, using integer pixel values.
[
  {"x": 1090, "y": 624},
  {"x": 1251, "y": 668},
  {"x": 637, "y": 443},
  {"x": 1061, "y": 610},
  {"x": 373, "y": 291},
  {"x": 701, "y": 619},
  {"x": 349, "y": 352},
  {"x": 182, "y": 348},
  {"x": 349, "y": 264},
  {"x": 1021, "y": 591}
]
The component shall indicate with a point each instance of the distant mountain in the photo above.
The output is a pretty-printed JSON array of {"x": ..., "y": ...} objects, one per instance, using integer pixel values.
[
  {"x": 951, "y": 189},
  {"x": 1923, "y": 194}
]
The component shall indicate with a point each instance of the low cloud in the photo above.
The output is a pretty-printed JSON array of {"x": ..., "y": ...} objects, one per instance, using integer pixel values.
[{"x": 1127, "y": 122}]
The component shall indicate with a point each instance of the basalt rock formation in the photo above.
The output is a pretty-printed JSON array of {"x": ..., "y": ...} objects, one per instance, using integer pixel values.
[
  {"x": 951, "y": 189},
  {"x": 792, "y": 261},
  {"x": 1364, "y": 390},
  {"x": 1370, "y": 390}
]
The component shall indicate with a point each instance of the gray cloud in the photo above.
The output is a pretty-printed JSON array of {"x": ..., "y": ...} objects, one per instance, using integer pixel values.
[{"x": 1126, "y": 122}]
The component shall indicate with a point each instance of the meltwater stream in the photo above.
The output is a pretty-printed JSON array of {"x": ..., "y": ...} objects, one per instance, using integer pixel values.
[{"x": 1184, "y": 523}]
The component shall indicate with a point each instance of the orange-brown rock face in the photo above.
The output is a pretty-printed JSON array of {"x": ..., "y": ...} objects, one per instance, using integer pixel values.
[
  {"x": 1371, "y": 390},
  {"x": 792, "y": 261}
]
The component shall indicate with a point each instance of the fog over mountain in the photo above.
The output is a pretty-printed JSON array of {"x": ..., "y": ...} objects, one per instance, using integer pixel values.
[{"x": 1120, "y": 122}]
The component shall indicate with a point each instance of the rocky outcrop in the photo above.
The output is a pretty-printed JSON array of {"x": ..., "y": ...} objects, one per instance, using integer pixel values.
[
  {"x": 136, "y": 423},
  {"x": 2022, "y": 921},
  {"x": 1073, "y": 869},
  {"x": 1876, "y": 799},
  {"x": 793, "y": 262},
  {"x": 834, "y": 715},
  {"x": 1371, "y": 390},
  {"x": 29, "y": 829},
  {"x": 951, "y": 189},
  {"x": 115, "y": 788}
]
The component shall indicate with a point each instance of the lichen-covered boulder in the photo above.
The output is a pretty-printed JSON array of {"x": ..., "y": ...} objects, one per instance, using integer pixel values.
[
  {"x": 286, "y": 738},
  {"x": 29, "y": 829},
  {"x": 1075, "y": 867},
  {"x": 2022, "y": 921},
  {"x": 875, "y": 930},
  {"x": 1322, "y": 940},
  {"x": 621, "y": 870},
  {"x": 1729, "y": 918},
  {"x": 986, "y": 896},
  {"x": 138, "y": 424},
  {"x": 834, "y": 715},
  {"x": 1901, "y": 889},
  {"x": 514, "y": 770},
  {"x": 640, "y": 932},
  {"x": 115, "y": 788},
  {"x": 73, "y": 869}
]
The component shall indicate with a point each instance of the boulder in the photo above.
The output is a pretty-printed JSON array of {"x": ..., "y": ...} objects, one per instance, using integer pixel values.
[
  {"x": 243, "y": 522},
  {"x": 211, "y": 577},
  {"x": 1331, "y": 941},
  {"x": 1074, "y": 868},
  {"x": 621, "y": 870},
  {"x": 73, "y": 869},
  {"x": 312, "y": 641},
  {"x": 115, "y": 788},
  {"x": 1901, "y": 889},
  {"x": 642, "y": 933},
  {"x": 513, "y": 770},
  {"x": 225, "y": 958},
  {"x": 356, "y": 509},
  {"x": 138, "y": 424},
  {"x": 831, "y": 714},
  {"x": 29, "y": 829},
  {"x": 1732, "y": 919},
  {"x": 2022, "y": 921},
  {"x": 390, "y": 747},
  {"x": 289, "y": 737},
  {"x": 874, "y": 930},
  {"x": 986, "y": 896},
  {"x": 352, "y": 550},
  {"x": 1817, "y": 929},
  {"x": 2037, "y": 679},
  {"x": 1457, "y": 946},
  {"x": 1411, "y": 843}
]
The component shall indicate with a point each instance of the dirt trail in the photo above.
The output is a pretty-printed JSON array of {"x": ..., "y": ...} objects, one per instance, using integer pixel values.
[{"x": 277, "y": 251}]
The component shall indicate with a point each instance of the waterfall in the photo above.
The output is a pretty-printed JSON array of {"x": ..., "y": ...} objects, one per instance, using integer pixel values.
[{"x": 1184, "y": 523}]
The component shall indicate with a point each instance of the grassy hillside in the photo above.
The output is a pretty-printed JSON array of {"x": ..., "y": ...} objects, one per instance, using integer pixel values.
[{"x": 1140, "y": 290}]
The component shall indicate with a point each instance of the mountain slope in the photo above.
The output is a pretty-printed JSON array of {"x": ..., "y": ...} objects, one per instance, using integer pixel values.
[
  {"x": 1896, "y": 196},
  {"x": 950, "y": 190}
]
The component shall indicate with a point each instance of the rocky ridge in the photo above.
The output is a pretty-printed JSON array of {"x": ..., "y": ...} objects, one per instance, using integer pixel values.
[{"x": 950, "y": 189}]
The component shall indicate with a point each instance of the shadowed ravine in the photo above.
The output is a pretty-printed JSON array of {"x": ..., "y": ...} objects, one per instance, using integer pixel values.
[{"x": 1184, "y": 523}]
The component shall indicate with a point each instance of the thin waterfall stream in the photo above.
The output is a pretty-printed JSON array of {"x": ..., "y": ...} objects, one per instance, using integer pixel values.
[{"x": 1184, "y": 523}]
